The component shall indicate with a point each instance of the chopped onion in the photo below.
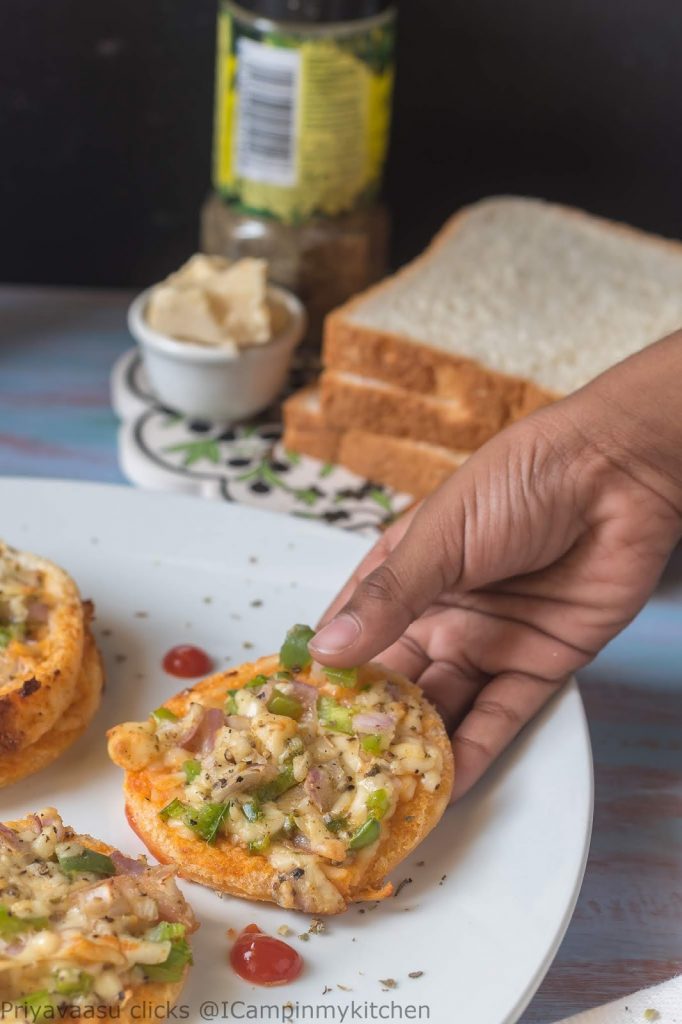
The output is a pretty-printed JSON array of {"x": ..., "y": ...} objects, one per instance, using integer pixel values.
[
  {"x": 301, "y": 842},
  {"x": 307, "y": 695},
  {"x": 317, "y": 673},
  {"x": 37, "y": 611},
  {"x": 127, "y": 865},
  {"x": 15, "y": 947},
  {"x": 10, "y": 836},
  {"x": 239, "y": 722},
  {"x": 304, "y": 692},
  {"x": 318, "y": 787},
  {"x": 202, "y": 739},
  {"x": 160, "y": 884},
  {"x": 373, "y": 722},
  {"x": 243, "y": 777}
]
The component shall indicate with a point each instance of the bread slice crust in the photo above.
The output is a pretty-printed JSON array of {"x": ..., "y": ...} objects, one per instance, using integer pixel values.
[
  {"x": 393, "y": 358},
  {"x": 414, "y": 467},
  {"x": 229, "y": 868},
  {"x": 349, "y": 402},
  {"x": 401, "y": 463},
  {"x": 38, "y": 687},
  {"x": 17, "y": 764},
  {"x": 150, "y": 1002},
  {"x": 305, "y": 429}
]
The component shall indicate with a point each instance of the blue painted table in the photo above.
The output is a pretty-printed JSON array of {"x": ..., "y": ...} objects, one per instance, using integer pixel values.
[{"x": 56, "y": 350}]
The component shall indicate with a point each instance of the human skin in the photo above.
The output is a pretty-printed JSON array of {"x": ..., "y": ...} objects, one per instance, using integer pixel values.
[{"x": 528, "y": 560}]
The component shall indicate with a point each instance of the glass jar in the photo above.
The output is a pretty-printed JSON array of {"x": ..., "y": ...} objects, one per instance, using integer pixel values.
[{"x": 303, "y": 96}]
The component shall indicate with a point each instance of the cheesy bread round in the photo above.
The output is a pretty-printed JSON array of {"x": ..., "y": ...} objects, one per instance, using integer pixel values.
[
  {"x": 287, "y": 782},
  {"x": 16, "y": 764},
  {"x": 84, "y": 930},
  {"x": 50, "y": 670}
]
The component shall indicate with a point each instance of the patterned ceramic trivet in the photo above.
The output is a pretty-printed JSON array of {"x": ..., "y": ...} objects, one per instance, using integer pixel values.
[{"x": 160, "y": 450}]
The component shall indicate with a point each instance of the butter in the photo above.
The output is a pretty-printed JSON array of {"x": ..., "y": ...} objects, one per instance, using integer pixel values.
[{"x": 211, "y": 301}]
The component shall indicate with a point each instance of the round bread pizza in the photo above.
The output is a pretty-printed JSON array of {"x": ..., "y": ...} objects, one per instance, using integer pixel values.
[
  {"x": 84, "y": 930},
  {"x": 50, "y": 670},
  {"x": 286, "y": 781}
]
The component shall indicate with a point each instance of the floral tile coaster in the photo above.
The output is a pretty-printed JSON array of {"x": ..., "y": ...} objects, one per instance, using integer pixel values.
[{"x": 160, "y": 450}]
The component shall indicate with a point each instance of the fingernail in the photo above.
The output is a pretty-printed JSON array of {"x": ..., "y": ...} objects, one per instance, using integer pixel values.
[{"x": 336, "y": 636}]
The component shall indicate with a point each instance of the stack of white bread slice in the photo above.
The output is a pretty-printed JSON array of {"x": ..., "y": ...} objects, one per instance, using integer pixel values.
[{"x": 515, "y": 303}]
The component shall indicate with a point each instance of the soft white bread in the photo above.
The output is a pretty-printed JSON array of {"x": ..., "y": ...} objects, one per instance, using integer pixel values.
[
  {"x": 515, "y": 302},
  {"x": 407, "y": 465}
]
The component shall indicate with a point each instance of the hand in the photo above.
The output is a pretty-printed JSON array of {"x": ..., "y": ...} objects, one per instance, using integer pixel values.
[{"x": 521, "y": 567}]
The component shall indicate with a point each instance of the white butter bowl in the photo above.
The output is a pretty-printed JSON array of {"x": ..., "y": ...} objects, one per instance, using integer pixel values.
[{"x": 216, "y": 383}]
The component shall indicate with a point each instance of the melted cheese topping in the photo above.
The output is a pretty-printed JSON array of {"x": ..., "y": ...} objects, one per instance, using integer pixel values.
[
  {"x": 309, "y": 777},
  {"x": 78, "y": 938},
  {"x": 24, "y": 607}
]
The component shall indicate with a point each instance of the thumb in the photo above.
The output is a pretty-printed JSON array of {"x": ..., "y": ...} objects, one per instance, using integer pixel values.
[{"x": 425, "y": 562}]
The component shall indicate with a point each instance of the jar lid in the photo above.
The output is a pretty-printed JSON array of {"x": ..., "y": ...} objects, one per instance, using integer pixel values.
[{"x": 315, "y": 11}]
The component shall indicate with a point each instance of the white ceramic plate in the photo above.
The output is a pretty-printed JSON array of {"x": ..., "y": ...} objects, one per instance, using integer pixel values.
[{"x": 483, "y": 916}]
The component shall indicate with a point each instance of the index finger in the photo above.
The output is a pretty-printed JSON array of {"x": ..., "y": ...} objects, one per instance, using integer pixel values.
[{"x": 374, "y": 557}]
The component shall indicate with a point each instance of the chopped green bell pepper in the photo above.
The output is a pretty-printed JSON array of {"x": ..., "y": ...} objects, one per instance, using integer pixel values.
[
  {"x": 11, "y": 631},
  {"x": 282, "y": 704},
  {"x": 256, "y": 682},
  {"x": 282, "y": 677},
  {"x": 11, "y": 925},
  {"x": 40, "y": 1006},
  {"x": 88, "y": 861},
  {"x": 175, "y": 809},
  {"x": 333, "y": 715},
  {"x": 165, "y": 715},
  {"x": 365, "y": 835},
  {"x": 378, "y": 803},
  {"x": 71, "y": 982},
  {"x": 206, "y": 821},
  {"x": 173, "y": 966},
  {"x": 342, "y": 676},
  {"x": 259, "y": 845},
  {"x": 372, "y": 744},
  {"x": 294, "y": 653},
  {"x": 191, "y": 768},
  {"x": 280, "y": 784},
  {"x": 166, "y": 930}
]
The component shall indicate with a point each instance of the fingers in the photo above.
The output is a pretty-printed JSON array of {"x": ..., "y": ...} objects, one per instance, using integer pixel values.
[
  {"x": 374, "y": 557},
  {"x": 407, "y": 656},
  {"x": 392, "y": 593},
  {"x": 452, "y": 690},
  {"x": 500, "y": 711},
  {"x": 463, "y": 536},
  {"x": 383, "y": 547}
]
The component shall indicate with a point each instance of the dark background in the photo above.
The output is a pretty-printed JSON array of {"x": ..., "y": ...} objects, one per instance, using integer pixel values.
[{"x": 106, "y": 108}]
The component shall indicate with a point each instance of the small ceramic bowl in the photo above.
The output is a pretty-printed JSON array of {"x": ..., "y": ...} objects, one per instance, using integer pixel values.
[{"x": 208, "y": 382}]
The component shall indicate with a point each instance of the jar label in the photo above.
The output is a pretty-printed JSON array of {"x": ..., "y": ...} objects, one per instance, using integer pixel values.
[{"x": 301, "y": 120}]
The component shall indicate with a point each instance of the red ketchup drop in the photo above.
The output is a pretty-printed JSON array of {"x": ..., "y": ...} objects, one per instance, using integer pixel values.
[
  {"x": 187, "y": 661},
  {"x": 264, "y": 960}
]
